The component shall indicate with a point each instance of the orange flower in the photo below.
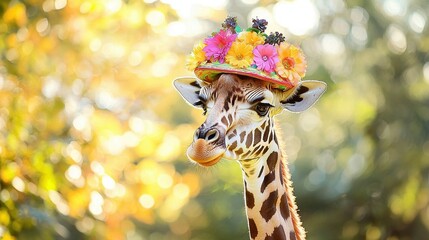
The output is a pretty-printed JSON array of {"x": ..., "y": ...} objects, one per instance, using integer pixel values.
[{"x": 292, "y": 64}]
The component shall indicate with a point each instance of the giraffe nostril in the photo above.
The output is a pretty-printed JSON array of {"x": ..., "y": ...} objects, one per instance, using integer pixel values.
[{"x": 212, "y": 135}]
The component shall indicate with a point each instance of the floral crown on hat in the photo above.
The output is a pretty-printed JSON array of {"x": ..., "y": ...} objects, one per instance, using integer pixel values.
[{"x": 250, "y": 52}]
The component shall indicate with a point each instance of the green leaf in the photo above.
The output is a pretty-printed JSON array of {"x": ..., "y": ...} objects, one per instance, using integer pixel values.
[{"x": 238, "y": 29}]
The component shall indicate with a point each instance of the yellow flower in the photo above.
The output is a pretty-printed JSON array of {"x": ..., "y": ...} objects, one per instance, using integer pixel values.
[
  {"x": 196, "y": 57},
  {"x": 251, "y": 38},
  {"x": 240, "y": 55},
  {"x": 292, "y": 64}
]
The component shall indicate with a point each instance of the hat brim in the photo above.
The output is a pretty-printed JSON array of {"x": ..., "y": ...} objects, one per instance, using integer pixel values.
[{"x": 209, "y": 72}]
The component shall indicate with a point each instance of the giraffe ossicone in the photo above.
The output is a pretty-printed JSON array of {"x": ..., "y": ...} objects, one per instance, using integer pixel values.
[{"x": 240, "y": 126}]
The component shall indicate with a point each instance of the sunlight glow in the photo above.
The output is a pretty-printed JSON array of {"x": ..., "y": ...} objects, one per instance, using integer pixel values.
[
  {"x": 97, "y": 168},
  {"x": 181, "y": 190},
  {"x": 250, "y": 2},
  {"x": 73, "y": 151},
  {"x": 95, "y": 44},
  {"x": 395, "y": 7},
  {"x": 340, "y": 26},
  {"x": 396, "y": 39},
  {"x": 134, "y": 17},
  {"x": 359, "y": 34},
  {"x": 147, "y": 201},
  {"x": 426, "y": 72},
  {"x": 18, "y": 184},
  {"x": 108, "y": 182},
  {"x": 85, "y": 225},
  {"x": 135, "y": 58},
  {"x": 74, "y": 175},
  {"x": 155, "y": 18},
  {"x": 59, "y": 202},
  {"x": 51, "y": 86},
  {"x": 332, "y": 45},
  {"x": 309, "y": 120},
  {"x": 191, "y": 8},
  {"x": 74, "y": 172},
  {"x": 60, "y": 4},
  {"x": 113, "y": 6},
  {"x": 42, "y": 25},
  {"x": 300, "y": 17},
  {"x": 113, "y": 145},
  {"x": 355, "y": 165},
  {"x": 130, "y": 139},
  {"x": 169, "y": 148},
  {"x": 80, "y": 122},
  {"x": 113, "y": 50},
  {"x": 417, "y": 21},
  {"x": 165, "y": 181},
  {"x": 48, "y": 5},
  {"x": 96, "y": 204}
]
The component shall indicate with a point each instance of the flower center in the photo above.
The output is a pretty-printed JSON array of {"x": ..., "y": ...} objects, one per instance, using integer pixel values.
[
  {"x": 288, "y": 62},
  {"x": 239, "y": 57},
  {"x": 265, "y": 58}
]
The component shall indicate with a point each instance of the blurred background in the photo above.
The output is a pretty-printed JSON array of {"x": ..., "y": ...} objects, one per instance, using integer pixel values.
[{"x": 93, "y": 136}]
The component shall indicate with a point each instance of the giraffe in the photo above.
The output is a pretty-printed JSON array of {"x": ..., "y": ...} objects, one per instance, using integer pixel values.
[{"x": 240, "y": 126}]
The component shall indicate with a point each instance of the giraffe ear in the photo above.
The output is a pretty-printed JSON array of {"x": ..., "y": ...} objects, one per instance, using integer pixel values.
[
  {"x": 303, "y": 96},
  {"x": 189, "y": 88}
]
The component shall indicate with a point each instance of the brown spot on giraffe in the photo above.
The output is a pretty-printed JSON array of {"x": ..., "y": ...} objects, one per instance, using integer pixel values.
[
  {"x": 242, "y": 135},
  {"x": 249, "y": 139},
  {"x": 272, "y": 160},
  {"x": 292, "y": 235},
  {"x": 268, "y": 208},
  {"x": 233, "y": 146},
  {"x": 257, "y": 136},
  {"x": 269, "y": 178},
  {"x": 278, "y": 234},
  {"x": 250, "y": 199},
  {"x": 264, "y": 125},
  {"x": 284, "y": 210},
  {"x": 224, "y": 121},
  {"x": 252, "y": 228}
]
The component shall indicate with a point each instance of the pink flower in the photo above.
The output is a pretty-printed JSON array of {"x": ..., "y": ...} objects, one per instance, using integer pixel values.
[
  {"x": 265, "y": 57},
  {"x": 218, "y": 46}
]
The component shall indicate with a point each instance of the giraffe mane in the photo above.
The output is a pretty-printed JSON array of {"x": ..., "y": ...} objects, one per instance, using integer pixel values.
[{"x": 293, "y": 208}]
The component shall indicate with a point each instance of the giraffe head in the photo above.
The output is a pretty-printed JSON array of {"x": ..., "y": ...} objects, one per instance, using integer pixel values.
[{"x": 239, "y": 113}]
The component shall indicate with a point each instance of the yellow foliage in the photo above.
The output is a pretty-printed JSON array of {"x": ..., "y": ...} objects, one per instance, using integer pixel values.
[
  {"x": 4, "y": 218},
  {"x": 16, "y": 14}
]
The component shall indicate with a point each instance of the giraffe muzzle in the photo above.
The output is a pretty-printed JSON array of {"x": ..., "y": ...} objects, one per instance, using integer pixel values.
[{"x": 208, "y": 147}]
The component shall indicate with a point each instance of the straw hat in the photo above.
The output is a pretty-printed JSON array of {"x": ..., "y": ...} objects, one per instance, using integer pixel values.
[{"x": 249, "y": 52}]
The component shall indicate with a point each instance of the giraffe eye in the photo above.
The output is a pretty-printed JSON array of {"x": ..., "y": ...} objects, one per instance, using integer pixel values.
[{"x": 262, "y": 108}]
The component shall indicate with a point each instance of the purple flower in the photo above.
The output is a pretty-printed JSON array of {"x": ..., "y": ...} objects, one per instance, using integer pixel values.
[
  {"x": 265, "y": 57},
  {"x": 218, "y": 46}
]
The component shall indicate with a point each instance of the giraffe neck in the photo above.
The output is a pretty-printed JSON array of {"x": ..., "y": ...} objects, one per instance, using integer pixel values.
[{"x": 270, "y": 205}]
